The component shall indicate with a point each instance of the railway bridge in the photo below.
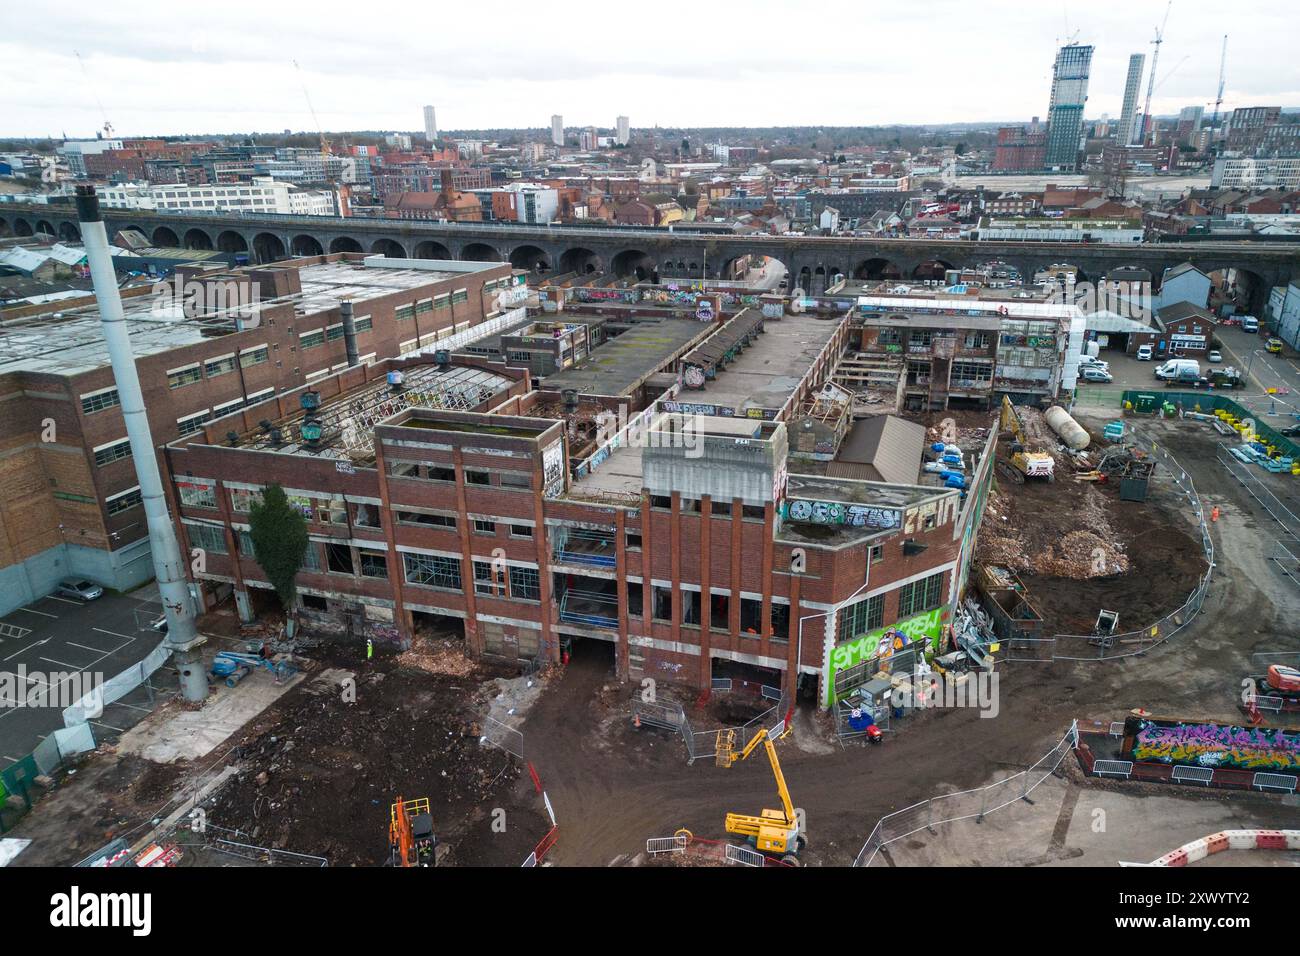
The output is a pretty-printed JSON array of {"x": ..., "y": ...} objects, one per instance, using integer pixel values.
[{"x": 672, "y": 252}]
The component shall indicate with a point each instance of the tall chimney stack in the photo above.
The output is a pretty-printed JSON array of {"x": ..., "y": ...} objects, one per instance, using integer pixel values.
[{"x": 168, "y": 565}]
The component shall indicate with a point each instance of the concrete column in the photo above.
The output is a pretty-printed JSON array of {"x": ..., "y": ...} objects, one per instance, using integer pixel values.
[{"x": 244, "y": 606}]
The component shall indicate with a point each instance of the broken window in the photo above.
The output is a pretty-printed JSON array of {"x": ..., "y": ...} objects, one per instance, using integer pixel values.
[
  {"x": 367, "y": 516},
  {"x": 374, "y": 565},
  {"x": 662, "y": 608},
  {"x": 524, "y": 584},
  {"x": 485, "y": 579},
  {"x": 338, "y": 558},
  {"x": 720, "y": 612},
  {"x": 691, "y": 607},
  {"x": 432, "y": 570},
  {"x": 635, "y": 608},
  {"x": 751, "y": 616},
  {"x": 780, "y": 622}
]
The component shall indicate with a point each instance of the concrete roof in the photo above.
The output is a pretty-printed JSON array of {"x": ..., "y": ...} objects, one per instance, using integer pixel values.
[{"x": 622, "y": 364}]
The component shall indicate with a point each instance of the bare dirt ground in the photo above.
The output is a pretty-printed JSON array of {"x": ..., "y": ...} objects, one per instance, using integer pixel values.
[
  {"x": 318, "y": 770},
  {"x": 1078, "y": 548}
]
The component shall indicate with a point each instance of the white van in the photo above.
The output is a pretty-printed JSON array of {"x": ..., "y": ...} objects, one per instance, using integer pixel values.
[
  {"x": 1249, "y": 323},
  {"x": 1183, "y": 370}
]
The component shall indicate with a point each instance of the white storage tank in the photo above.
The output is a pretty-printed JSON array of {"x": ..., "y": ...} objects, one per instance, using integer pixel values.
[{"x": 1071, "y": 432}]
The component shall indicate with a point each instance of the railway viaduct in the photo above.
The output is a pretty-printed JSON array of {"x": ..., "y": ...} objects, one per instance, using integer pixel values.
[{"x": 810, "y": 260}]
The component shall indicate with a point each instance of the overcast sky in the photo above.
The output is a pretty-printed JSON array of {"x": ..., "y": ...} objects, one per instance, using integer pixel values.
[{"x": 177, "y": 68}]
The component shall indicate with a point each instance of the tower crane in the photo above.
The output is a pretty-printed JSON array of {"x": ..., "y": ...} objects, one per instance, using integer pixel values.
[
  {"x": 1223, "y": 61},
  {"x": 1147, "y": 130},
  {"x": 325, "y": 148}
]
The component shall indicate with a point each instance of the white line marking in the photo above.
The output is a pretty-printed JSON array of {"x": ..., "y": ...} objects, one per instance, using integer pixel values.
[
  {"x": 93, "y": 650},
  {"x": 100, "y": 723},
  {"x": 51, "y": 597},
  {"x": 41, "y": 613},
  {"x": 44, "y": 640},
  {"x": 61, "y": 664},
  {"x": 114, "y": 633}
]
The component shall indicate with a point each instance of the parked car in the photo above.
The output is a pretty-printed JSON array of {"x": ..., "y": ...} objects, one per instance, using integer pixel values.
[
  {"x": 1291, "y": 431},
  {"x": 1214, "y": 356},
  {"x": 1091, "y": 373},
  {"x": 1274, "y": 344},
  {"x": 79, "y": 590},
  {"x": 1089, "y": 362},
  {"x": 1146, "y": 353}
]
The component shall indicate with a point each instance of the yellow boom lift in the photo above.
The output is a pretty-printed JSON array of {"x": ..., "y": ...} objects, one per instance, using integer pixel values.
[{"x": 775, "y": 832}]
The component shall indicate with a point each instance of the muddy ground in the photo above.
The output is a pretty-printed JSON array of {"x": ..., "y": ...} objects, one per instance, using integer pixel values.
[
  {"x": 1078, "y": 548},
  {"x": 319, "y": 772}
]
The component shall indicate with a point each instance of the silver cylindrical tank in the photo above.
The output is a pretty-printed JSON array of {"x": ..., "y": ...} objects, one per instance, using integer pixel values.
[{"x": 1071, "y": 432}]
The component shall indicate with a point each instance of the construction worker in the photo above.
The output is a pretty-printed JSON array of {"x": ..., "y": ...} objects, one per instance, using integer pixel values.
[{"x": 370, "y": 649}]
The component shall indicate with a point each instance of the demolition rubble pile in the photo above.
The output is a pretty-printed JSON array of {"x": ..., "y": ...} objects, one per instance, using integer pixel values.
[{"x": 1059, "y": 529}]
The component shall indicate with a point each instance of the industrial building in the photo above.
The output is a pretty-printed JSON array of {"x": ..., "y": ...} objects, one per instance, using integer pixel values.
[
  {"x": 207, "y": 342},
  {"x": 646, "y": 501}
]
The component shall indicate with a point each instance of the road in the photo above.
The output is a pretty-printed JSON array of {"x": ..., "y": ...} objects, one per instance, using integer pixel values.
[
  {"x": 60, "y": 646},
  {"x": 1265, "y": 370}
]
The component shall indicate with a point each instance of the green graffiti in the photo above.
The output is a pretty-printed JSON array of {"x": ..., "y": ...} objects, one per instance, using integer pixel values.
[{"x": 927, "y": 627}]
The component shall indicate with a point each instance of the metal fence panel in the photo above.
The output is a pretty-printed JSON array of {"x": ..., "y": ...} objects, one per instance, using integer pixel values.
[
  {"x": 1273, "y": 781},
  {"x": 965, "y": 804},
  {"x": 743, "y": 855},
  {"x": 1203, "y": 775},
  {"x": 503, "y": 737},
  {"x": 1113, "y": 768}
]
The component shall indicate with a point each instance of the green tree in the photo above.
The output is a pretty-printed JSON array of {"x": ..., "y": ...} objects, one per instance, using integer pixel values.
[{"x": 279, "y": 533}]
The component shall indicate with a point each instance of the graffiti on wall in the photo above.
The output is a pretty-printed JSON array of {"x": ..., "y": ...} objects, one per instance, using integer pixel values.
[
  {"x": 1215, "y": 745},
  {"x": 925, "y": 628},
  {"x": 837, "y": 512}
]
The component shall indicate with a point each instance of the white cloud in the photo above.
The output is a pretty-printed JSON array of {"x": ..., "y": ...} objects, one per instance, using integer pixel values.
[{"x": 162, "y": 68}]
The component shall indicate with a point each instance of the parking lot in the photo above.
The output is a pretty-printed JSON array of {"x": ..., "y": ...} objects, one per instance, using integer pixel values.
[
  {"x": 55, "y": 645},
  {"x": 1245, "y": 351}
]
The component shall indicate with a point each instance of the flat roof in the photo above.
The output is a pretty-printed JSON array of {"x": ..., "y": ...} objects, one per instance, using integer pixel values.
[
  {"x": 767, "y": 373},
  {"x": 348, "y": 420},
  {"x": 70, "y": 341},
  {"x": 764, "y": 375},
  {"x": 623, "y": 363}
]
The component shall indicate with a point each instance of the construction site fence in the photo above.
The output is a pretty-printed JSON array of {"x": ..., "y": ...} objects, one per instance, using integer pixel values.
[
  {"x": 503, "y": 737},
  {"x": 1093, "y": 647},
  {"x": 966, "y": 804},
  {"x": 116, "y": 687},
  {"x": 1248, "y": 477},
  {"x": 670, "y": 715},
  {"x": 1151, "y": 400},
  {"x": 19, "y": 786}
]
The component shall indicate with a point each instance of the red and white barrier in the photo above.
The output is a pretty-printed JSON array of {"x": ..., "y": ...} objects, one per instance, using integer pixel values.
[{"x": 1230, "y": 840}]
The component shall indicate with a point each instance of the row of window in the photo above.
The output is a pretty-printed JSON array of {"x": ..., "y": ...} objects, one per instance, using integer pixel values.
[
  {"x": 180, "y": 377},
  {"x": 473, "y": 476},
  {"x": 868, "y": 614}
]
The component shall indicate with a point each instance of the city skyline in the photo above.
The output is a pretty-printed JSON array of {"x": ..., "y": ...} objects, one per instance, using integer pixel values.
[{"x": 353, "y": 83}]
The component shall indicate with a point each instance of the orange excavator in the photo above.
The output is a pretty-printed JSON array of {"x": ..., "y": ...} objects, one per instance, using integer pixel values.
[{"x": 410, "y": 833}]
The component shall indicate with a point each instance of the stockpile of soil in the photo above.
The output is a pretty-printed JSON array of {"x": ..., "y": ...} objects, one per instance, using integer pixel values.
[
  {"x": 1061, "y": 528},
  {"x": 319, "y": 773}
]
